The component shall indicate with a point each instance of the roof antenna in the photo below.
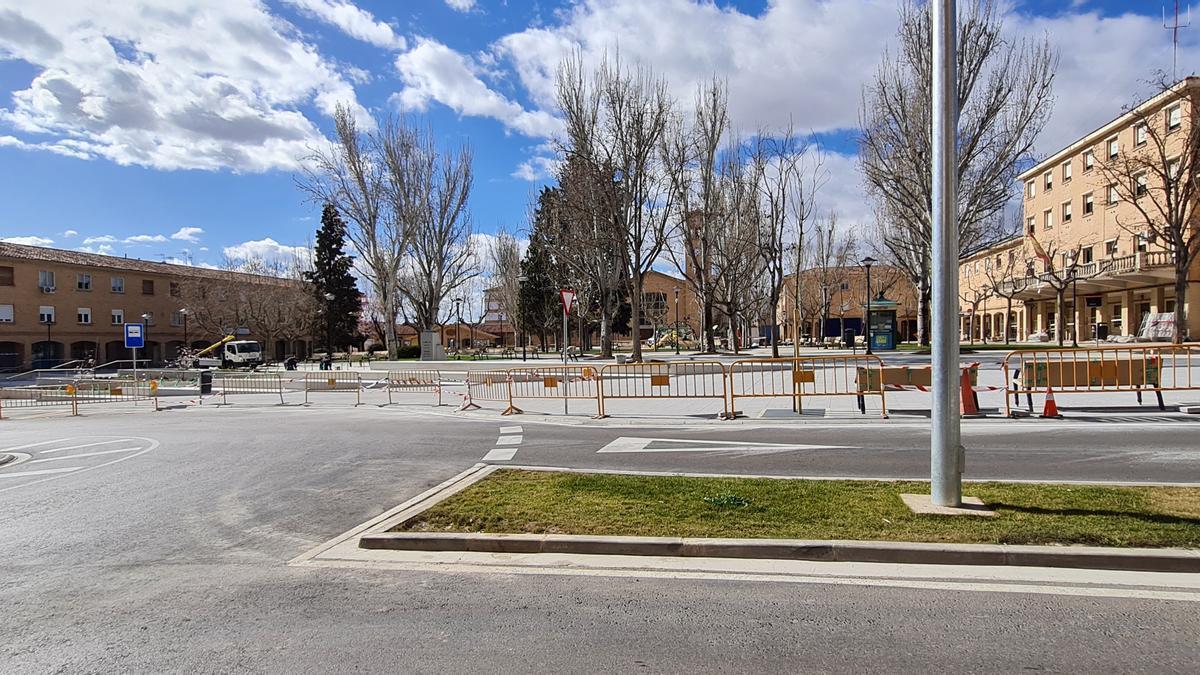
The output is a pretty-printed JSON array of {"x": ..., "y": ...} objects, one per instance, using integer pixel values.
[{"x": 1174, "y": 28}]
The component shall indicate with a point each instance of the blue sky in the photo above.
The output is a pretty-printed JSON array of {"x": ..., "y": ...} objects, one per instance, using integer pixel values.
[{"x": 172, "y": 128}]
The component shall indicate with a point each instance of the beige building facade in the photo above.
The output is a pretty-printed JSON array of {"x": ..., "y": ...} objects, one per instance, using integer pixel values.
[
  {"x": 58, "y": 305},
  {"x": 1081, "y": 234}
]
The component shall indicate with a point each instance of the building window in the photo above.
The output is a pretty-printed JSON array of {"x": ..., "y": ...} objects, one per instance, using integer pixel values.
[
  {"x": 147, "y": 287},
  {"x": 84, "y": 316},
  {"x": 83, "y": 282},
  {"x": 1029, "y": 225},
  {"x": 46, "y": 281},
  {"x": 1089, "y": 160},
  {"x": 177, "y": 318},
  {"x": 1173, "y": 172},
  {"x": 1113, "y": 195},
  {"x": 7, "y": 278},
  {"x": 1066, "y": 171},
  {"x": 118, "y": 317},
  {"x": 1066, "y": 212},
  {"x": 1089, "y": 204},
  {"x": 1174, "y": 117},
  {"x": 118, "y": 284},
  {"x": 6, "y": 313},
  {"x": 45, "y": 314},
  {"x": 1140, "y": 187},
  {"x": 1048, "y": 181},
  {"x": 1088, "y": 255},
  {"x": 1110, "y": 247},
  {"x": 1030, "y": 189},
  {"x": 174, "y": 289},
  {"x": 1141, "y": 243},
  {"x": 1047, "y": 220},
  {"x": 1114, "y": 148},
  {"x": 1140, "y": 133}
]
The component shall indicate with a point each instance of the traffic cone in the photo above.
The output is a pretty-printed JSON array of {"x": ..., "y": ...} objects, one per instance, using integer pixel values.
[
  {"x": 969, "y": 403},
  {"x": 1051, "y": 409}
]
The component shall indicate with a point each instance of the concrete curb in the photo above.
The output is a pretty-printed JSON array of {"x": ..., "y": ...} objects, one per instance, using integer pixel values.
[
  {"x": 5, "y": 458},
  {"x": 1133, "y": 560}
]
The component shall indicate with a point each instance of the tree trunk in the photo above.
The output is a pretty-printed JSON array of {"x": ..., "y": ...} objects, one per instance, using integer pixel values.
[
  {"x": 923, "y": 308},
  {"x": 776, "y": 328},
  {"x": 1008, "y": 317},
  {"x": 392, "y": 342},
  {"x": 1060, "y": 321},
  {"x": 635, "y": 318},
  {"x": 1181, "y": 284},
  {"x": 710, "y": 337},
  {"x": 606, "y": 347}
]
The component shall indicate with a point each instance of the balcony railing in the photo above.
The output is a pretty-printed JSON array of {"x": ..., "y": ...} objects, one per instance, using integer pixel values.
[{"x": 1107, "y": 267}]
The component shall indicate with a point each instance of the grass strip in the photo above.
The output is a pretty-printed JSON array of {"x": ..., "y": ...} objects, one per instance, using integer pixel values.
[{"x": 539, "y": 502}]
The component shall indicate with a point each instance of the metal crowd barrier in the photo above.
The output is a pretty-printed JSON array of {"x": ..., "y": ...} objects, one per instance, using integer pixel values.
[
  {"x": 797, "y": 377},
  {"x": 1092, "y": 370},
  {"x": 415, "y": 381},
  {"x": 248, "y": 383},
  {"x": 555, "y": 382},
  {"x": 79, "y": 392},
  {"x": 489, "y": 385},
  {"x": 693, "y": 379},
  {"x": 334, "y": 380}
]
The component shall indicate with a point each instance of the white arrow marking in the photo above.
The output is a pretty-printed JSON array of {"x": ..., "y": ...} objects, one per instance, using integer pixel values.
[
  {"x": 634, "y": 444},
  {"x": 85, "y": 445},
  {"x": 30, "y": 445}
]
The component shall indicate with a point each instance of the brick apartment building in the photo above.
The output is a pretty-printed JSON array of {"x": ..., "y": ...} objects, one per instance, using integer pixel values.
[{"x": 58, "y": 305}]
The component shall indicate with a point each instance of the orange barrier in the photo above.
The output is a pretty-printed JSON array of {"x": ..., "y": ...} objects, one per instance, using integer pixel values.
[
  {"x": 415, "y": 381},
  {"x": 555, "y": 382},
  {"x": 489, "y": 385},
  {"x": 334, "y": 380},
  {"x": 797, "y": 377},
  {"x": 79, "y": 392},
  {"x": 692, "y": 379},
  {"x": 247, "y": 383},
  {"x": 1102, "y": 369}
]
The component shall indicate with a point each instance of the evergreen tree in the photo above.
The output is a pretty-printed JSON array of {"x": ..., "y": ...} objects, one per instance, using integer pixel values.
[
  {"x": 331, "y": 277},
  {"x": 539, "y": 297}
]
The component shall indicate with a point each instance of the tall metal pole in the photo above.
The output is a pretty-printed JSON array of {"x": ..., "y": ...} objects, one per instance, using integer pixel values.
[{"x": 946, "y": 432}]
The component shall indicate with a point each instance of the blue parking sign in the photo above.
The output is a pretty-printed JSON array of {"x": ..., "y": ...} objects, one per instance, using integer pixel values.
[{"x": 134, "y": 336}]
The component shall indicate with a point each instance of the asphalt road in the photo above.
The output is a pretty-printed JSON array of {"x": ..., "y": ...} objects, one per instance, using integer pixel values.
[{"x": 172, "y": 556}]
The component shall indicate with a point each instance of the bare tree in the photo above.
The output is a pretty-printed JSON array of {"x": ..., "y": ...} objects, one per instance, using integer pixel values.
[
  {"x": 1007, "y": 279},
  {"x": 692, "y": 156},
  {"x": 617, "y": 118},
  {"x": 829, "y": 260},
  {"x": 1004, "y": 101},
  {"x": 790, "y": 170},
  {"x": 441, "y": 257},
  {"x": 737, "y": 266},
  {"x": 504, "y": 263},
  {"x": 1159, "y": 177},
  {"x": 352, "y": 174},
  {"x": 1062, "y": 268}
]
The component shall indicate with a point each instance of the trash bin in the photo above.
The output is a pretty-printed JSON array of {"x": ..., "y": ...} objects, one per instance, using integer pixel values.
[
  {"x": 848, "y": 338},
  {"x": 206, "y": 383},
  {"x": 1101, "y": 332}
]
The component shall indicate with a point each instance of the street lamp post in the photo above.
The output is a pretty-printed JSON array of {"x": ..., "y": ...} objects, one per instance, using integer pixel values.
[
  {"x": 458, "y": 326},
  {"x": 149, "y": 357},
  {"x": 184, "y": 313},
  {"x": 867, "y": 262},
  {"x": 329, "y": 328},
  {"x": 48, "y": 354},
  {"x": 676, "y": 321},
  {"x": 520, "y": 328},
  {"x": 1072, "y": 271}
]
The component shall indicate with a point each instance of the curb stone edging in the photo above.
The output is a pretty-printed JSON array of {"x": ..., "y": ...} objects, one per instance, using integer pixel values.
[
  {"x": 5, "y": 458},
  {"x": 1086, "y": 557},
  {"x": 378, "y": 536}
]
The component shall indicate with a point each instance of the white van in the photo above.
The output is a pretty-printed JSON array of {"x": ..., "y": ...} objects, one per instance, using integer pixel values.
[{"x": 234, "y": 354}]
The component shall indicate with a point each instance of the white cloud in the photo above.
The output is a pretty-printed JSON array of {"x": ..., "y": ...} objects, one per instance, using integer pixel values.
[
  {"x": 265, "y": 249},
  {"x": 102, "y": 249},
  {"x": 191, "y": 84},
  {"x": 537, "y": 169},
  {"x": 28, "y": 241},
  {"x": 69, "y": 233},
  {"x": 434, "y": 72},
  {"x": 145, "y": 239},
  {"x": 188, "y": 234},
  {"x": 461, "y": 5},
  {"x": 353, "y": 21},
  {"x": 102, "y": 239}
]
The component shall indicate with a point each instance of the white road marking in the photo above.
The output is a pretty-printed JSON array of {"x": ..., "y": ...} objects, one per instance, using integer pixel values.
[
  {"x": 85, "y": 445},
  {"x": 64, "y": 473},
  {"x": 85, "y": 454},
  {"x": 500, "y": 455},
  {"x": 638, "y": 444},
  {"x": 510, "y": 430},
  {"x": 34, "y": 445},
  {"x": 21, "y": 474},
  {"x": 508, "y": 440}
]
